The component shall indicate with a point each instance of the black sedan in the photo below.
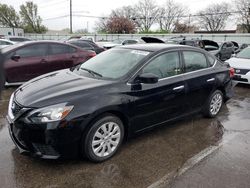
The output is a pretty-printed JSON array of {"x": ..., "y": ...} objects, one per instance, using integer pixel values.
[
  {"x": 87, "y": 45},
  {"x": 90, "y": 109}
]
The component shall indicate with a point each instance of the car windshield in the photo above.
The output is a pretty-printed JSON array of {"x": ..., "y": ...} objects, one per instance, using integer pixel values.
[
  {"x": 113, "y": 64},
  {"x": 244, "y": 54}
]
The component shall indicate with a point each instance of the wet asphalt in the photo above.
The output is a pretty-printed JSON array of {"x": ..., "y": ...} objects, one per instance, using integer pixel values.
[{"x": 193, "y": 152}]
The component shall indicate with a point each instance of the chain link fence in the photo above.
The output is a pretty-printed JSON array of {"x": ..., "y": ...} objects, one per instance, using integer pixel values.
[{"x": 239, "y": 38}]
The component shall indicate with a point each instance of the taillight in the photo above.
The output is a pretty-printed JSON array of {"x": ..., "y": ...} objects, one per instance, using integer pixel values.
[
  {"x": 92, "y": 54},
  {"x": 231, "y": 72}
]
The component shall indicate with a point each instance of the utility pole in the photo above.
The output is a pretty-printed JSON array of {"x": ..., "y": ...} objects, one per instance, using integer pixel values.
[{"x": 70, "y": 15}]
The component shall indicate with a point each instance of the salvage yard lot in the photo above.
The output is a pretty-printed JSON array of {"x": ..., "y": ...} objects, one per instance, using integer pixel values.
[{"x": 152, "y": 159}]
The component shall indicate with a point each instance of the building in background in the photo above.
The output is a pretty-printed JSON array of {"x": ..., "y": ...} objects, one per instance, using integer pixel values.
[{"x": 9, "y": 31}]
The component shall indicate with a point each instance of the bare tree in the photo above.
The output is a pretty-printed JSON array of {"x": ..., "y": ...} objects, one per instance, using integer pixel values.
[
  {"x": 170, "y": 14},
  {"x": 120, "y": 24},
  {"x": 146, "y": 13},
  {"x": 125, "y": 11},
  {"x": 101, "y": 25},
  {"x": 119, "y": 21},
  {"x": 243, "y": 7},
  {"x": 214, "y": 17}
]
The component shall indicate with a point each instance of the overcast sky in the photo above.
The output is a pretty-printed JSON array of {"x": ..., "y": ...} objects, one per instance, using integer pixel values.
[{"x": 56, "y": 8}]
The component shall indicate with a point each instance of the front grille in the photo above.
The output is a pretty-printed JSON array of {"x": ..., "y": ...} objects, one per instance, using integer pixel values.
[
  {"x": 241, "y": 71},
  {"x": 45, "y": 149}
]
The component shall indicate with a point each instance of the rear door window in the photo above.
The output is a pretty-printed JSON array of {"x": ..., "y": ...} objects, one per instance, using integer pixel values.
[
  {"x": 33, "y": 50},
  {"x": 84, "y": 45},
  {"x": 59, "y": 49},
  {"x": 194, "y": 61}
]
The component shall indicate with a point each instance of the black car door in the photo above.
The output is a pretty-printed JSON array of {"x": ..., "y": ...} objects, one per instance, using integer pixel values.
[
  {"x": 199, "y": 77},
  {"x": 162, "y": 101}
]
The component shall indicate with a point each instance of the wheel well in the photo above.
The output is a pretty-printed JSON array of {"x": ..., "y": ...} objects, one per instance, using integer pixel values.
[
  {"x": 120, "y": 115},
  {"x": 223, "y": 92}
]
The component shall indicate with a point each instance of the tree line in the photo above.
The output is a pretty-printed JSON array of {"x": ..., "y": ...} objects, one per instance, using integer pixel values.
[
  {"x": 27, "y": 18},
  {"x": 174, "y": 17},
  {"x": 141, "y": 17}
]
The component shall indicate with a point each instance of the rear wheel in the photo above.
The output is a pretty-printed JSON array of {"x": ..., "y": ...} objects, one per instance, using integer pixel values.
[
  {"x": 104, "y": 138},
  {"x": 213, "y": 104}
]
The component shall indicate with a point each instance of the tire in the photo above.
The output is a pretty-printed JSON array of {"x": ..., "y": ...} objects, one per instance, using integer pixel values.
[
  {"x": 214, "y": 104},
  {"x": 108, "y": 133}
]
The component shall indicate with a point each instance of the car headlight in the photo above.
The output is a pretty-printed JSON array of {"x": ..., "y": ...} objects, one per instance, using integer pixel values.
[{"x": 49, "y": 114}]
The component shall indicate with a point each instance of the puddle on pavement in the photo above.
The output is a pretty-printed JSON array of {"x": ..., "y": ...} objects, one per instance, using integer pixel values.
[{"x": 139, "y": 163}]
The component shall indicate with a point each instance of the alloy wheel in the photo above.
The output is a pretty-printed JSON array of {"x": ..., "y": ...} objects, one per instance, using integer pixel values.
[
  {"x": 106, "y": 139},
  {"x": 215, "y": 104}
]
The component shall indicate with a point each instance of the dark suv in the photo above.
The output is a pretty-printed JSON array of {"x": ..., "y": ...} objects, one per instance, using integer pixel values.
[
  {"x": 184, "y": 41},
  {"x": 224, "y": 51},
  {"x": 89, "y": 110}
]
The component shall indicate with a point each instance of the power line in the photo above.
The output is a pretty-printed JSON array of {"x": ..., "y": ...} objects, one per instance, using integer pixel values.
[
  {"x": 52, "y": 4},
  {"x": 89, "y": 16},
  {"x": 134, "y": 18},
  {"x": 55, "y": 18}
]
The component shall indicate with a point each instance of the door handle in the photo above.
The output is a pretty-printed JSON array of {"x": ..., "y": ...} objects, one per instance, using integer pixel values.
[
  {"x": 211, "y": 80},
  {"x": 43, "y": 61},
  {"x": 74, "y": 56},
  {"x": 178, "y": 88}
]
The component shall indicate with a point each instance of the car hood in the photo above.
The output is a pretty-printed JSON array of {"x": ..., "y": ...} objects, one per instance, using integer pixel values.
[
  {"x": 152, "y": 40},
  {"x": 239, "y": 63},
  {"x": 111, "y": 45},
  {"x": 54, "y": 88},
  {"x": 210, "y": 43}
]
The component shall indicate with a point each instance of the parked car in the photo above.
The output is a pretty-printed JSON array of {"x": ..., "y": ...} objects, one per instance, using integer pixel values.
[
  {"x": 16, "y": 39},
  {"x": 65, "y": 39},
  {"x": 92, "y": 108},
  {"x": 224, "y": 51},
  {"x": 88, "y": 38},
  {"x": 241, "y": 47},
  {"x": 236, "y": 47},
  {"x": 175, "y": 40},
  {"x": 4, "y": 43},
  {"x": 120, "y": 42},
  {"x": 28, "y": 60},
  {"x": 87, "y": 45},
  {"x": 184, "y": 41},
  {"x": 241, "y": 64}
]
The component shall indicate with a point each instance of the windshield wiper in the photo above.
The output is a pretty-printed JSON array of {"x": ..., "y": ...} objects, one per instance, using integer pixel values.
[{"x": 92, "y": 72}]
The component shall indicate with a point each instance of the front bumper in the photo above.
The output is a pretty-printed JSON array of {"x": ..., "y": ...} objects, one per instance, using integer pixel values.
[
  {"x": 44, "y": 142},
  {"x": 240, "y": 78}
]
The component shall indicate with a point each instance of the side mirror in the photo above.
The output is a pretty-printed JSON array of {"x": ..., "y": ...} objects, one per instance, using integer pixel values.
[
  {"x": 147, "y": 78},
  {"x": 15, "y": 57}
]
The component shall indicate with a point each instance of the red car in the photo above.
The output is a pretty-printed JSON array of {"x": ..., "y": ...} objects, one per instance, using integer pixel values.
[{"x": 28, "y": 60}]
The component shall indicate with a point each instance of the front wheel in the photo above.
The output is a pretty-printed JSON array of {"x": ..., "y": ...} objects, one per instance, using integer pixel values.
[
  {"x": 213, "y": 104},
  {"x": 104, "y": 138}
]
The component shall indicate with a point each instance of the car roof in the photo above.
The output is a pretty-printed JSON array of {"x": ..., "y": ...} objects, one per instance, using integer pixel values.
[
  {"x": 153, "y": 47},
  {"x": 6, "y": 40},
  {"x": 25, "y": 43}
]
